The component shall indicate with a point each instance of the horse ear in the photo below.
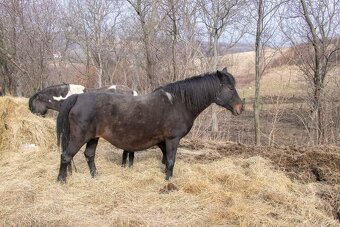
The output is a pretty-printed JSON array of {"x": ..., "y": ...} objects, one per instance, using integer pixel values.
[
  {"x": 225, "y": 77},
  {"x": 220, "y": 75},
  {"x": 223, "y": 72}
]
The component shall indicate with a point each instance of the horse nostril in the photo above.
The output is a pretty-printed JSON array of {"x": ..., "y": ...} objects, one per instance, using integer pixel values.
[{"x": 238, "y": 108}]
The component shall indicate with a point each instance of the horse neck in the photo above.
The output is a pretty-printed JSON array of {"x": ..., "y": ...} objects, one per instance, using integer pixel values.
[
  {"x": 199, "y": 109},
  {"x": 197, "y": 97},
  {"x": 54, "y": 105},
  {"x": 51, "y": 103}
]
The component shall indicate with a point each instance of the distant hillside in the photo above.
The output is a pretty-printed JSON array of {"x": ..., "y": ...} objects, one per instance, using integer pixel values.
[{"x": 226, "y": 48}]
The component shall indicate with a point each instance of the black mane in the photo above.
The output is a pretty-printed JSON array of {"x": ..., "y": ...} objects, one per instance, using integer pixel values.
[{"x": 195, "y": 91}]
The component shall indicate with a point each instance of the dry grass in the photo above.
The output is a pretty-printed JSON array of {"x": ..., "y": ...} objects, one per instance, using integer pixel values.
[
  {"x": 223, "y": 191},
  {"x": 20, "y": 129}
]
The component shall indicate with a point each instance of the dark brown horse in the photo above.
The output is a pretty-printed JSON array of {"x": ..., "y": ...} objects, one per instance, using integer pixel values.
[{"x": 135, "y": 123}]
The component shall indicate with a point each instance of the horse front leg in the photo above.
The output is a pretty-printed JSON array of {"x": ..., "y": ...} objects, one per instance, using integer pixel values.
[
  {"x": 90, "y": 152},
  {"x": 171, "y": 150},
  {"x": 162, "y": 146}
]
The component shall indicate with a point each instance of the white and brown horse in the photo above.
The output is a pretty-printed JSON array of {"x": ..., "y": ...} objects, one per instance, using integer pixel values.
[{"x": 53, "y": 96}]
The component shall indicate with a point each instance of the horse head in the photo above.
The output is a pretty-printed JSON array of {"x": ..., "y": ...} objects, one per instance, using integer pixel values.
[
  {"x": 48, "y": 98},
  {"x": 36, "y": 105},
  {"x": 227, "y": 95}
]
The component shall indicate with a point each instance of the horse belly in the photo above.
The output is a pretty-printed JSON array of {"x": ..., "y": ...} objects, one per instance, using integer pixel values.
[
  {"x": 131, "y": 145},
  {"x": 131, "y": 141}
]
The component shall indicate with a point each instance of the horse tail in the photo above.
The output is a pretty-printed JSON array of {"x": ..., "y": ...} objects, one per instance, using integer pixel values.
[{"x": 63, "y": 124}]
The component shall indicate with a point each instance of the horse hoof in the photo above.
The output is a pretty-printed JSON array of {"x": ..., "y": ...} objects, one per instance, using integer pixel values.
[
  {"x": 123, "y": 165},
  {"x": 94, "y": 174},
  {"x": 61, "y": 180}
]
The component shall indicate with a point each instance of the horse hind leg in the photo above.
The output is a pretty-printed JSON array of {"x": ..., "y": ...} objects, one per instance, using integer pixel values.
[
  {"x": 65, "y": 159},
  {"x": 131, "y": 158},
  {"x": 90, "y": 152},
  {"x": 69, "y": 168},
  {"x": 124, "y": 158},
  {"x": 127, "y": 154}
]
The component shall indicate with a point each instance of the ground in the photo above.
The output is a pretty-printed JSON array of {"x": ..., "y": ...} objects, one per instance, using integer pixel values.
[
  {"x": 215, "y": 183},
  {"x": 286, "y": 182}
]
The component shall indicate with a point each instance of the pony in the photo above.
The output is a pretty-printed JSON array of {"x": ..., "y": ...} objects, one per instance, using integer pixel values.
[
  {"x": 135, "y": 123},
  {"x": 52, "y": 97}
]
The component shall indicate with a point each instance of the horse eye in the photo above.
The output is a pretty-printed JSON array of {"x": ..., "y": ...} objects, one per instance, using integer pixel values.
[{"x": 231, "y": 87}]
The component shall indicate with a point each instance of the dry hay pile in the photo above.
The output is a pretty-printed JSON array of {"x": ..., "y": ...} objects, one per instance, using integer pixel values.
[
  {"x": 20, "y": 129},
  {"x": 221, "y": 191}
]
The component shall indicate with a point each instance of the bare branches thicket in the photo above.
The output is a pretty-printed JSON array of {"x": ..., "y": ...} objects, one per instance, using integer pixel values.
[
  {"x": 312, "y": 28},
  {"x": 90, "y": 26},
  {"x": 150, "y": 18},
  {"x": 217, "y": 16},
  {"x": 28, "y": 32}
]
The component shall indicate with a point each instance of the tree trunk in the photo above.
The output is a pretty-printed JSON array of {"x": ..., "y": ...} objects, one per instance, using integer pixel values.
[
  {"x": 318, "y": 109},
  {"x": 317, "y": 77},
  {"x": 174, "y": 40},
  {"x": 258, "y": 73},
  {"x": 214, "y": 120}
]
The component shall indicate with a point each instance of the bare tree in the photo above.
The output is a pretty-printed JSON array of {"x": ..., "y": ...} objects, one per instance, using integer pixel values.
[
  {"x": 217, "y": 15},
  {"x": 312, "y": 28},
  {"x": 258, "y": 70},
  {"x": 172, "y": 8},
  {"x": 150, "y": 19},
  {"x": 265, "y": 29},
  {"x": 92, "y": 25},
  {"x": 28, "y": 33}
]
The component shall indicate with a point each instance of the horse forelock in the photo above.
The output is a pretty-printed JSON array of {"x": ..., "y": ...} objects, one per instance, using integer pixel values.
[
  {"x": 196, "y": 91},
  {"x": 231, "y": 79}
]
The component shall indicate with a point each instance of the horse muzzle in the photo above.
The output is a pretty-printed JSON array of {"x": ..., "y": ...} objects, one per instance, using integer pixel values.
[{"x": 237, "y": 109}]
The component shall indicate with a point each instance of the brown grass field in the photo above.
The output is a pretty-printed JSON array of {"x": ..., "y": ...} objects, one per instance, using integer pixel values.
[{"x": 214, "y": 183}]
